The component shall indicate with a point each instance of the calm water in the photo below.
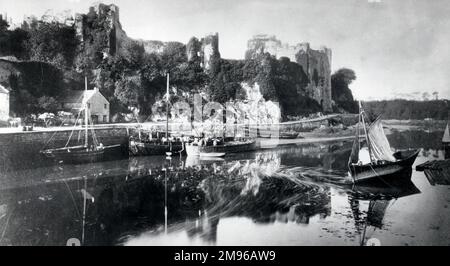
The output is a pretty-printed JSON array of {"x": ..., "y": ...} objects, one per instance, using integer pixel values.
[{"x": 293, "y": 195}]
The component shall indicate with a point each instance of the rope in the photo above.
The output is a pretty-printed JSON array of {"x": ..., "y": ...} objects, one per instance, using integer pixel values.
[
  {"x": 62, "y": 123},
  {"x": 71, "y": 133}
]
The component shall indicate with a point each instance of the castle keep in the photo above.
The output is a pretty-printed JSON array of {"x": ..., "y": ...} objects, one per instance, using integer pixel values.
[
  {"x": 315, "y": 63},
  {"x": 110, "y": 14}
]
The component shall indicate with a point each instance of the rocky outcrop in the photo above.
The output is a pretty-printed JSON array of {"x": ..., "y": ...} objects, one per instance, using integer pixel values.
[{"x": 315, "y": 63}]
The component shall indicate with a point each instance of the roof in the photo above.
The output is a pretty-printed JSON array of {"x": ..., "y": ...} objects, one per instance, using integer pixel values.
[
  {"x": 3, "y": 90},
  {"x": 78, "y": 96}
]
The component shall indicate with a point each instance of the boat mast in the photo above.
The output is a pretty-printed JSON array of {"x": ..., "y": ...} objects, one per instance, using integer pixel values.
[
  {"x": 167, "y": 108},
  {"x": 85, "y": 113},
  {"x": 361, "y": 111}
]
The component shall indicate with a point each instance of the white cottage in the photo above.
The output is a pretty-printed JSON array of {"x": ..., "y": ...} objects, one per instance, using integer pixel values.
[
  {"x": 97, "y": 104},
  {"x": 4, "y": 103}
]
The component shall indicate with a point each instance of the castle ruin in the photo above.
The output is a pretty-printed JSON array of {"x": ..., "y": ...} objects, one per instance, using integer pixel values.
[
  {"x": 110, "y": 13},
  {"x": 315, "y": 63},
  {"x": 205, "y": 50}
]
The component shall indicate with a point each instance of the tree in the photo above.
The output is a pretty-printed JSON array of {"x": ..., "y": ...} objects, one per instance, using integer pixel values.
[
  {"x": 53, "y": 43},
  {"x": 128, "y": 91},
  {"x": 340, "y": 91},
  {"x": 436, "y": 95},
  {"x": 3, "y": 26},
  {"x": 48, "y": 104}
]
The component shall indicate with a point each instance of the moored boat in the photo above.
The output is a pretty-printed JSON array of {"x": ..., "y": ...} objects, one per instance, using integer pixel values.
[
  {"x": 145, "y": 148},
  {"x": 91, "y": 151},
  {"x": 289, "y": 135},
  {"x": 159, "y": 145},
  {"x": 220, "y": 149},
  {"x": 381, "y": 162}
]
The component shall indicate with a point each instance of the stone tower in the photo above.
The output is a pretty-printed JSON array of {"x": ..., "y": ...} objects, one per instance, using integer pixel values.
[
  {"x": 206, "y": 51},
  {"x": 113, "y": 28},
  {"x": 315, "y": 63}
]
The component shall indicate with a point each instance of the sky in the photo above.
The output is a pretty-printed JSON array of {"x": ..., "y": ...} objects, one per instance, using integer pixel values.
[{"x": 397, "y": 48}]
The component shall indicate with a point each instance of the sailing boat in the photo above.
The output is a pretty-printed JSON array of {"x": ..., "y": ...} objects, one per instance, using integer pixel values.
[
  {"x": 86, "y": 153},
  {"x": 381, "y": 161},
  {"x": 157, "y": 146}
]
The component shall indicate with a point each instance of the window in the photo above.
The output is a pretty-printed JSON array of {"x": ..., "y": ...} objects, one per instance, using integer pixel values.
[
  {"x": 105, "y": 118},
  {"x": 106, "y": 106}
]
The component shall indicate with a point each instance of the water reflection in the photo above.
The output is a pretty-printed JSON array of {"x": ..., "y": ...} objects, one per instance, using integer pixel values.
[
  {"x": 370, "y": 201},
  {"x": 288, "y": 196}
]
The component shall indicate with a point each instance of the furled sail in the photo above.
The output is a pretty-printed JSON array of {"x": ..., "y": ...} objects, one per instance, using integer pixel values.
[
  {"x": 446, "y": 137},
  {"x": 381, "y": 149}
]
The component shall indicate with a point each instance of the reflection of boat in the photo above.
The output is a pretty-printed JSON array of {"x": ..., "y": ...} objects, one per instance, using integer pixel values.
[
  {"x": 381, "y": 162},
  {"x": 446, "y": 137},
  {"x": 212, "y": 154},
  {"x": 446, "y": 142},
  {"x": 397, "y": 187},
  {"x": 220, "y": 150},
  {"x": 379, "y": 195},
  {"x": 86, "y": 153}
]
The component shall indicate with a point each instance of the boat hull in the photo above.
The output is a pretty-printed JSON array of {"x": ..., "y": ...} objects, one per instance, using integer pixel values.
[
  {"x": 75, "y": 155},
  {"x": 232, "y": 147},
  {"x": 367, "y": 172},
  {"x": 79, "y": 154},
  {"x": 138, "y": 148}
]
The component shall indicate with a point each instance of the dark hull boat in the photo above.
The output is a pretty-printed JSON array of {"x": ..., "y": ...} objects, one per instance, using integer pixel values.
[
  {"x": 74, "y": 155},
  {"x": 221, "y": 149},
  {"x": 289, "y": 135},
  {"x": 404, "y": 161},
  {"x": 382, "y": 162},
  {"x": 81, "y": 154},
  {"x": 140, "y": 148},
  {"x": 91, "y": 151},
  {"x": 148, "y": 147}
]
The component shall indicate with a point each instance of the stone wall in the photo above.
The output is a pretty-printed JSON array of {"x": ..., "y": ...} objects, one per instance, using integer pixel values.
[
  {"x": 315, "y": 63},
  {"x": 153, "y": 47}
]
